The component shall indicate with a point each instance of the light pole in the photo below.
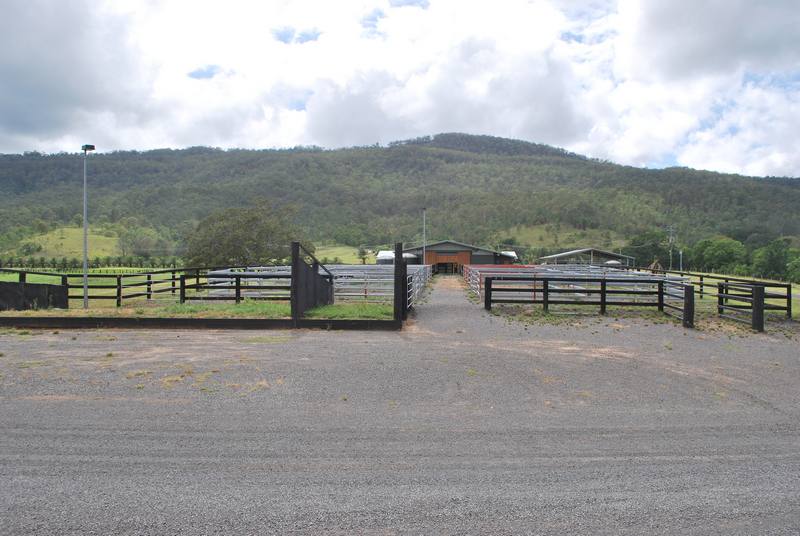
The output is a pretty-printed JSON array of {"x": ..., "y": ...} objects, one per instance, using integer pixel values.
[{"x": 85, "y": 149}]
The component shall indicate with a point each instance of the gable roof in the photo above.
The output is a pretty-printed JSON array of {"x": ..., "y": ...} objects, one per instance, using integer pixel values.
[
  {"x": 462, "y": 245},
  {"x": 595, "y": 251}
]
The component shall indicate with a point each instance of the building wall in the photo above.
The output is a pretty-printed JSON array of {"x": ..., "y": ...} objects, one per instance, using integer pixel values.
[
  {"x": 458, "y": 257},
  {"x": 449, "y": 252},
  {"x": 483, "y": 258}
]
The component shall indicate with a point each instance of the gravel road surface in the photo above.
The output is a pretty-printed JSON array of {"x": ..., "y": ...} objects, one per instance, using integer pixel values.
[{"x": 463, "y": 423}]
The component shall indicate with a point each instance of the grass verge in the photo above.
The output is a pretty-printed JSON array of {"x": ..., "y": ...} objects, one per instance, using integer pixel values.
[
  {"x": 353, "y": 311},
  {"x": 245, "y": 309}
]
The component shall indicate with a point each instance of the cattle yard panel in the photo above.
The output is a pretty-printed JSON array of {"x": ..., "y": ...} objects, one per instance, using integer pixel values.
[
  {"x": 475, "y": 275},
  {"x": 351, "y": 283},
  {"x": 236, "y": 286}
]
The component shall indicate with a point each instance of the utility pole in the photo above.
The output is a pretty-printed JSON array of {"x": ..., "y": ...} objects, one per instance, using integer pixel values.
[
  {"x": 671, "y": 231},
  {"x": 424, "y": 237}
]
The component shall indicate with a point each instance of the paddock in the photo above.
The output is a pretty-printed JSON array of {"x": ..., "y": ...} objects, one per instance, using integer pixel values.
[{"x": 581, "y": 285}]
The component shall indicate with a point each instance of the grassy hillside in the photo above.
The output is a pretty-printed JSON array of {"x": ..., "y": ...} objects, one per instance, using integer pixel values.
[
  {"x": 474, "y": 188},
  {"x": 562, "y": 236},
  {"x": 68, "y": 242},
  {"x": 346, "y": 254}
]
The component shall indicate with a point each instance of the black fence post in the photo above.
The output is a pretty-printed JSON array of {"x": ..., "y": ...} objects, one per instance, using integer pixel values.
[
  {"x": 545, "y": 295},
  {"x": 758, "y": 308},
  {"x": 400, "y": 283},
  {"x": 295, "y": 288},
  {"x": 487, "y": 293},
  {"x": 172, "y": 281},
  {"x": 720, "y": 291},
  {"x": 702, "y": 287},
  {"x": 602, "y": 297},
  {"x": 238, "y": 289},
  {"x": 22, "y": 277},
  {"x": 727, "y": 290},
  {"x": 688, "y": 306},
  {"x": 661, "y": 296},
  {"x": 119, "y": 291},
  {"x": 183, "y": 288},
  {"x": 789, "y": 301},
  {"x": 149, "y": 286}
]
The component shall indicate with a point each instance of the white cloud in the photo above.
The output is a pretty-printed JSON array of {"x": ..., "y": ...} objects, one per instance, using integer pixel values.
[{"x": 710, "y": 85}]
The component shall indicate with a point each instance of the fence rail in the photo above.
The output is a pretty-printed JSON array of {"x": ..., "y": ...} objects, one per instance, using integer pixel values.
[
  {"x": 671, "y": 297},
  {"x": 777, "y": 296},
  {"x": 300, "y": 284},
  {"x": 314, "y": 282},
  {"x": 735, "y": 300},
  {"x": 237, "y": 287}
]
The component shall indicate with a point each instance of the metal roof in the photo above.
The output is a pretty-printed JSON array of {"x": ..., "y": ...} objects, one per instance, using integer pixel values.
[
  {"x": 467, "y": 246},
  {"x": 595, "y": 251},
  {"x": 389, "y": 254}
]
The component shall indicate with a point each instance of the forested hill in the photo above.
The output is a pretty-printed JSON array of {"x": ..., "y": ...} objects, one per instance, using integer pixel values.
[{"x": 475, "y": 188}]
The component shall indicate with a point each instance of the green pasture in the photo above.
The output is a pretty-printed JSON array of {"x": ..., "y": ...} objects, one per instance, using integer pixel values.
[
  {"x": 68, "y": 242},
  {"x": 562, "y": 236},
  {"x": 346, "y": 254}
]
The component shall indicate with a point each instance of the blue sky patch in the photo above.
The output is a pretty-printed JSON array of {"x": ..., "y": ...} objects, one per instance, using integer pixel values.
[
  {"x": 370, "y": 22},
  {"x": 402, "y": 3},
  {"x": 667, "y": 160},
  {"x": 284, "y": 34},
  {"x": 298, "y": 102},
  {"x": 787, "y": 80},
  {"x": 308, "y": 35},
  {"x": 572, "y": 36},
  {"x": 205, "y": 73}
]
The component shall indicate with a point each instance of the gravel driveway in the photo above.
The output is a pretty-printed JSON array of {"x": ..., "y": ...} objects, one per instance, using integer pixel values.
[{"x": 462, "y": 423}]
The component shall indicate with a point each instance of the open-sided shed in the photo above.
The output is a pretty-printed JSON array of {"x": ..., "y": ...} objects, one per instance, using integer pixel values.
[{"x": 592, "y": 256}]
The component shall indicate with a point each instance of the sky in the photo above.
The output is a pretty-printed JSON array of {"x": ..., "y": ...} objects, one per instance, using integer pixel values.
[{"x": 708, "y": 84}]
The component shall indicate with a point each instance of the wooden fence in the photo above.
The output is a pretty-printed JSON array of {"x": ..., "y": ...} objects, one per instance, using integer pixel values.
[
  {"x": 304, "y": 288},
  {"x": 671, "y": 297},
  {"x": 733, "y": 299},
  {"x": 778, "y": 296}
]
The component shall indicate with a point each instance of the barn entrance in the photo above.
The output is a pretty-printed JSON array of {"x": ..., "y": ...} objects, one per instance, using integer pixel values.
[
  {"x": 447, "y": 267},
  {"x": 449, "y": 256}
]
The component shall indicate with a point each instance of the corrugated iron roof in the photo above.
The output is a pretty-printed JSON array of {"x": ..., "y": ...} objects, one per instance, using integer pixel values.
[{"x": 586, "y": 250}]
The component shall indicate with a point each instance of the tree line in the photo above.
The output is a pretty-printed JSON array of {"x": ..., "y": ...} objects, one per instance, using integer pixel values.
[{"x": 473, "y": 187}]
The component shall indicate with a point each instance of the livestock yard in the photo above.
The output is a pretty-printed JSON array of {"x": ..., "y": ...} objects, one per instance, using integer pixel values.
[
  {"x": 306, "y": 286},
  {"x": 602, "y": 286}
]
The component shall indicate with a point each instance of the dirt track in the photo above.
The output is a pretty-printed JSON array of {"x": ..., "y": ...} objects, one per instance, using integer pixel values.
[{"x": 462, "y": 423}]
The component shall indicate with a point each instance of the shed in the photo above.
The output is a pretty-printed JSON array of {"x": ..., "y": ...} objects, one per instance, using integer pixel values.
[
  {"x": 386, "y": 256},
  {"x": 448, "y": 256},
  {"x": 589, "y": 256}
]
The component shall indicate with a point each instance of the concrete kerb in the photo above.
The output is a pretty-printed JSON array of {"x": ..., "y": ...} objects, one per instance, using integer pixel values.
[{"x": 197, "y": 323}]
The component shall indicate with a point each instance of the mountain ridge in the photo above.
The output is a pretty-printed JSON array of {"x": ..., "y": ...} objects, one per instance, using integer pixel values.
[{"x": 473, "y": 186}]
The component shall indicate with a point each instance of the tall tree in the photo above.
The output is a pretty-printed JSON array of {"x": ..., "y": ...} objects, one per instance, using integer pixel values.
[
  {"x": 771, "y": 260},
  {"x": 250, "y": 236}
]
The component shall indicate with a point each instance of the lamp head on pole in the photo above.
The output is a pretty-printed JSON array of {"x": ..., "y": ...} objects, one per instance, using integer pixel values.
[{"x": 86, "y": 148}]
